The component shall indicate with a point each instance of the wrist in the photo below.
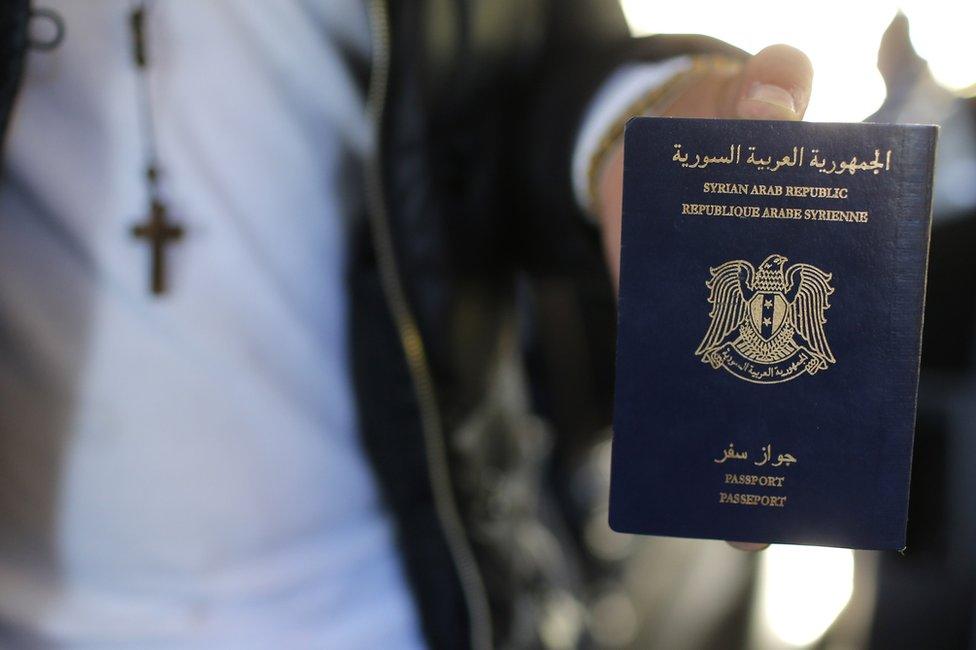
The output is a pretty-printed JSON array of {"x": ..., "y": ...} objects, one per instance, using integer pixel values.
[{"x": 702, "y": 84}]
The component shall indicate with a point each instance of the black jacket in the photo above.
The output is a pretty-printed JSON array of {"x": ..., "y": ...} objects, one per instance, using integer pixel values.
[{"x": 476, "y": 104}]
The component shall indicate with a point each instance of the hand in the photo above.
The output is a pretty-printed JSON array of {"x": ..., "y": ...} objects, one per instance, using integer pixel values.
[{"x": 772, "y": 85}]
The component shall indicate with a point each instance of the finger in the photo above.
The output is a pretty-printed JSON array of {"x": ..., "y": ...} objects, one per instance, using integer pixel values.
[
  {"x": 748, "y": 546},
  {"x": 774, "y": 84},
  {"x": 611, "y": 186}
]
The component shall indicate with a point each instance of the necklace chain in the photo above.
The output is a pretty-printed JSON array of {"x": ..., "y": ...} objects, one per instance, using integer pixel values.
[{"x": 157, "y": 230}]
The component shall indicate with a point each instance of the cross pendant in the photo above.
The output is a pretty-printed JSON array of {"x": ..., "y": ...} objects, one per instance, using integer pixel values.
[{"x": 158, "y": 232}]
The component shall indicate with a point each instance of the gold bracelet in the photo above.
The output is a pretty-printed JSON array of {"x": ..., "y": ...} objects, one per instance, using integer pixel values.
[{"x": 654, "y": 102}]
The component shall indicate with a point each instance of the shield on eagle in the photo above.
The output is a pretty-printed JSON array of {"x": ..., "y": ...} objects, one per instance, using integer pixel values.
[{"x": 767, "y": 312}]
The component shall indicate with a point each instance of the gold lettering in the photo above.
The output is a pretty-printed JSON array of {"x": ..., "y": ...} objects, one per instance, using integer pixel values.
[
  {"x": 816, "y": 192},
  {"x": 755, "y": 479},
  {"x": 773, "y": 212},
  {"x": 767, "y": 190},
  {"x": 796, "y": 157},
  {"x": 850, "y": 216},
  {"x": 743, "y": 499}
]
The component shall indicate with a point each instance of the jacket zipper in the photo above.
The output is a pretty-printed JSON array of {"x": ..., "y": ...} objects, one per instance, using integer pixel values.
[{"x": 472, "y": 586}]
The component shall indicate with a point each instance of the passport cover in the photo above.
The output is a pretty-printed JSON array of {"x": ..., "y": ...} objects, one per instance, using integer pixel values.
[{"x": 770, "y": 312}]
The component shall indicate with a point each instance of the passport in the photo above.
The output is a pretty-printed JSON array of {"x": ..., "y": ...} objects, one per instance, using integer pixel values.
[{"x": 771, "y": 292}]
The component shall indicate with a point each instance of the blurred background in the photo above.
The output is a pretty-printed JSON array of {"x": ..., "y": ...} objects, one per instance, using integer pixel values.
[{"x": 912, "y": 61}]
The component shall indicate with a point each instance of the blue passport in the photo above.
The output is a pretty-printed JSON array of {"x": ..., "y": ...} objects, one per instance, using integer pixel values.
[{"x": 770, "y": 313}]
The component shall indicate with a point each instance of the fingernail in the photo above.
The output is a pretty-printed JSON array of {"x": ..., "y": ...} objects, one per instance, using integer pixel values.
[{"x": 768, "y": 100}]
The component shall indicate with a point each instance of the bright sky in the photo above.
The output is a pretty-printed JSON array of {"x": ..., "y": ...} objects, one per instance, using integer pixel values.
[{"x": 840, "y": 36}]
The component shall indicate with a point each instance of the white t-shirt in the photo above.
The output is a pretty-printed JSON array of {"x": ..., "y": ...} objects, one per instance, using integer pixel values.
[{"x": 185, "y": 471}]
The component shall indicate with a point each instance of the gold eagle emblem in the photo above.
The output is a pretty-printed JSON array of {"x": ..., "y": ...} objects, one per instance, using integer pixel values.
[{"x": 767, "y": 324}]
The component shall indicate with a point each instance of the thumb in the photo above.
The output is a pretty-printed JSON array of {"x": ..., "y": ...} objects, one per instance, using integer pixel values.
[{"x": 774, "y": 84}]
